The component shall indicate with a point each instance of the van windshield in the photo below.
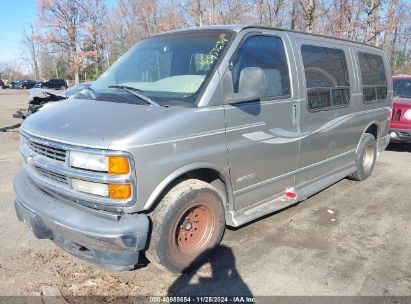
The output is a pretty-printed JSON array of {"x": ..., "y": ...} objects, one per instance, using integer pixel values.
[{"x": 168, "y": 68}]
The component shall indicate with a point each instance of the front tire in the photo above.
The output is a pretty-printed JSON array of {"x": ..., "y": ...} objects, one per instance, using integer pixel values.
[
  {"x": 365, "y": 158},
  {"x": 188, "y": 223}
]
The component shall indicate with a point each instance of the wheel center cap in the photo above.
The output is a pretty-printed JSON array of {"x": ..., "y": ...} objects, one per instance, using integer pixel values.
[{"x": 188, "y": 226}]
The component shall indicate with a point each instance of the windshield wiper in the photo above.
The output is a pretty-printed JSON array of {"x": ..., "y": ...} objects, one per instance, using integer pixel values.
[
  {"x": 91, "y": 92},
  {"x": 135, "y": 92}
]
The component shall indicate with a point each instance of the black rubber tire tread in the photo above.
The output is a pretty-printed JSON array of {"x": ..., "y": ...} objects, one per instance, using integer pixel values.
[
  {"x": 177, "y": 200},
  {"x": 359, "y": 174}
]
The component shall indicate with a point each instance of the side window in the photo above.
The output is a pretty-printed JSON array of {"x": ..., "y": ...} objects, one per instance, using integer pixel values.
[
  {"x": 374, "y": 82},
  {"x": 267, "y": 53},
  {"x": 326, "y": 77}
]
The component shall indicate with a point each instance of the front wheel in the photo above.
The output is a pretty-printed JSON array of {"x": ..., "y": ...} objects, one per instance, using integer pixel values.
[
  {"x": 365, "y": 158},
  {"x": 188, "y": 223}
]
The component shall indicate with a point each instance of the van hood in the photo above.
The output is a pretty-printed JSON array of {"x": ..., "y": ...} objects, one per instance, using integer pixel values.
[
  {"x": 88, "y": 123},
  {"x": 402, "y": 101}
]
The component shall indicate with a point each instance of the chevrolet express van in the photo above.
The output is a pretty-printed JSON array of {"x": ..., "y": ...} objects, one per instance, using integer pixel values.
[{"x": 196, "y": 129}]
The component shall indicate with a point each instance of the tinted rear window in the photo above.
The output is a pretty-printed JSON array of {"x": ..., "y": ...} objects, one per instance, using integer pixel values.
[
  {"x": 372, "y": 69},
  {"x": 373, "y": 77},
  {"x": 326, "y": 77}
]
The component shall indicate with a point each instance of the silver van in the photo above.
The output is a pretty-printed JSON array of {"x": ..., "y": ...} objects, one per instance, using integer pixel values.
[{"x": 196, "y": 129}]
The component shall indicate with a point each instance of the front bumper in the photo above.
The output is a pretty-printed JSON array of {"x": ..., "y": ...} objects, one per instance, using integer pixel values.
[
  {"x": 400, "y": 135},
  {"x": 113, "y": 242}
]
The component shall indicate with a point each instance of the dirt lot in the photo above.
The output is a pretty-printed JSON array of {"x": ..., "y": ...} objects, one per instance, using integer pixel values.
[{"x": 350, "y": 239}]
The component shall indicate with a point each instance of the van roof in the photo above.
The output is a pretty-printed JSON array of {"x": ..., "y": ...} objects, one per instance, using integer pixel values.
[
  {"x": 402, "y": 76},
  {"x": 238, "y": 27}
]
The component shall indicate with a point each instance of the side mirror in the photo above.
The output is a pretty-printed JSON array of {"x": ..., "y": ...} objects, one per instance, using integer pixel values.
[{"x": 252, "y": 86}]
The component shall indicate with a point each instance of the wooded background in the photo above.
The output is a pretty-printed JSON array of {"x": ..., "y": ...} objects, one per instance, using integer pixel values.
[{"x": 79, "y": 39}]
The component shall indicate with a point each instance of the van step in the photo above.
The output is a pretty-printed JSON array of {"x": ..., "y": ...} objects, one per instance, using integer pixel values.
[{"x": 239, "y": 217}]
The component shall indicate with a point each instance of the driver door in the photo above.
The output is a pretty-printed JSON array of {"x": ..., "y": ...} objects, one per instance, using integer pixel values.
[{"x": 262, "y": 135}]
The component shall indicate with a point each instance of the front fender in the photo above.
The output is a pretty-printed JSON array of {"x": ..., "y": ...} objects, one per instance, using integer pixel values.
[{"x": 184, "y": 170}]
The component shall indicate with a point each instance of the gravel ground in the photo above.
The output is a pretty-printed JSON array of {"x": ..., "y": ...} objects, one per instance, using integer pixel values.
[{"x": 350, "y": 239}]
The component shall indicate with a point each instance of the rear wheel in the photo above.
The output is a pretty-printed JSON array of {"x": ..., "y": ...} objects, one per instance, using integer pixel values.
[
  {"x": 186, "y": 225},
  {"x": 365, "y": 158}
]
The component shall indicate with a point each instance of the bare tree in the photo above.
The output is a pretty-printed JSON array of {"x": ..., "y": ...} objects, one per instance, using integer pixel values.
[
  {"x": 390, "y": 24},
  {"x": 270, "y": 12},
  {"x": 63, "y": 21},
  {"x": 83, "y": 34},
  {"x": 30, "y": 41},
  {"x": 372, "y": 22},
  {"x": 95, "y": 14}
]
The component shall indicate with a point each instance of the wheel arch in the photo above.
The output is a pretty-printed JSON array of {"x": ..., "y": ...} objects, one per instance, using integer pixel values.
[
  {"x": 373, "y": 129},
  {"x": 204, "y": 171}
]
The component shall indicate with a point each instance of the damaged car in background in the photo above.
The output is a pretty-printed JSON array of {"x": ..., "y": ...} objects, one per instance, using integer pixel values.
[
  {"x": 43, "y": 98},
  {"x": 40, "y": 99}
]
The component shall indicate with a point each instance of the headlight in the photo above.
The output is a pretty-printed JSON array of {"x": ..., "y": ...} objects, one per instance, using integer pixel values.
[
  {"x": 90, "y": 187},
  {"x": 101, "y": 163},
  {"x": 111, "y": 164},
  {"x": 407, "y": 114},
  {"x": 114, "y": 191},
  {"x": 88, "y": 161}
]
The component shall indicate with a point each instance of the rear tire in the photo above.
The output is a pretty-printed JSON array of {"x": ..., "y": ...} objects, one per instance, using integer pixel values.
[
  {"x": 365, "y": 158},
  {"x": 186, "y": 225}
]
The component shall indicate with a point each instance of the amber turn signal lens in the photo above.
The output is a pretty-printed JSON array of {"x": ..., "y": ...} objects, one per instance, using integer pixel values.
[
  {"x": 122, "y": 191},
  {"x": 118, "y": 165}
]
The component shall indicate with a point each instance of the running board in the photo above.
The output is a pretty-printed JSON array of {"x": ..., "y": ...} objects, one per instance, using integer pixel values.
[
  {"x": 235, "y": 218},
  {"x": 247, "y": 214}
]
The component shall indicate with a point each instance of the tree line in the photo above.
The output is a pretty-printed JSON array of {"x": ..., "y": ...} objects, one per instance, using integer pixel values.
[{"x": 79, "y": 39}]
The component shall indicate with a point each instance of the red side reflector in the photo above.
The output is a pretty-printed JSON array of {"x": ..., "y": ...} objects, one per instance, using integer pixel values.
[{"x": 290, "y": 194}]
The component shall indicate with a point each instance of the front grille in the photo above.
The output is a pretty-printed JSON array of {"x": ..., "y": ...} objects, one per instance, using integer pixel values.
[
  {"x": 397, "y": 114},
  {"x": 48, "y": 151},
  {"x": 404, "y": 134},
  {"x": 52, "y": 175}
]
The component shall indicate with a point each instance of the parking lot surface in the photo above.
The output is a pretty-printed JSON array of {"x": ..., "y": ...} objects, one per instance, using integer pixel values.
[{"x": 353, "y": 238}]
